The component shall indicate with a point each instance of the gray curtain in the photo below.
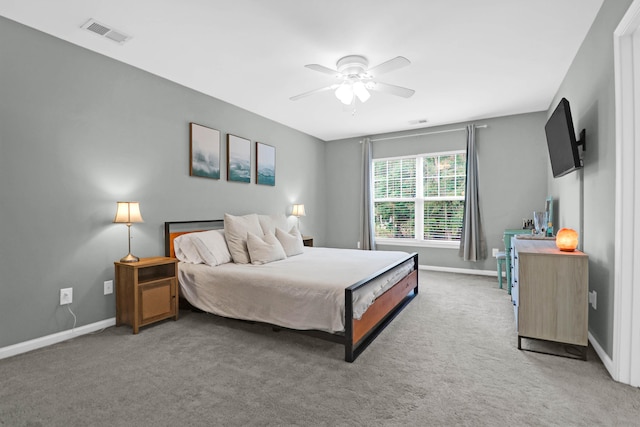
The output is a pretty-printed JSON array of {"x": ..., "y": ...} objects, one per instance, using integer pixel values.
[
  {"x": 473, "y": 246},
  {"x": 367, "y": 228}
]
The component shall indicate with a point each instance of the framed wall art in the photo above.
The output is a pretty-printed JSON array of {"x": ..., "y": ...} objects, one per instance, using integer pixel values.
[
  {"x": 238, "y": 159},
  {"x": 265, "y": 164},
  {"x": 204, "y": 151}
]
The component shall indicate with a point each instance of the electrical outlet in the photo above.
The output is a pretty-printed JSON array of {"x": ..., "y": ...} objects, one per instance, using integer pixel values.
[
  {"x": 593, "y": 299},
  {"x": 358, "y": 245},
  {"x": 108, "y": 287},
  {"x": 66, "y": 296},
  {"x": 494, "y": 252}
]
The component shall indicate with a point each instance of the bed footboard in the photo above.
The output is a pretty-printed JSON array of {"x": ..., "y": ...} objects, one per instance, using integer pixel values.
[{"x": 359, "y": 333}]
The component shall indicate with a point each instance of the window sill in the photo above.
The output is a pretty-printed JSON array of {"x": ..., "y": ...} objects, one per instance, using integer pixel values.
[{"x": 419, "y": 243}]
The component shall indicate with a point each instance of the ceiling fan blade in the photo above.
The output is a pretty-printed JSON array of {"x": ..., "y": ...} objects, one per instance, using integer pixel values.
[
  {"x": 390, "y": 65},
  {"x": 392, "y": 89},
  {"x": 312, "y": 92},
  {"x": 323, "y": 69}
]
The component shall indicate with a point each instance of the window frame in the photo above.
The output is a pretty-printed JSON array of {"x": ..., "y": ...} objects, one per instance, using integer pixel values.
[{"x": 418, "y": 200}]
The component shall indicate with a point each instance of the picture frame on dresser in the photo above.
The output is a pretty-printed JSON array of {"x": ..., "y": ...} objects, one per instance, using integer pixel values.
[
  {"x": 204, "y": 151},
  {"x": 238, "y": 159},
  {"x": 265, "y": 164}
]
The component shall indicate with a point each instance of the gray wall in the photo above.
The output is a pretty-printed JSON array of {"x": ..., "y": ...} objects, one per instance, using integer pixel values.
[
  {"x": 512, "y": 157},
  {"x": 78, "y": 132},
  {"x": 587, "y": 198}
]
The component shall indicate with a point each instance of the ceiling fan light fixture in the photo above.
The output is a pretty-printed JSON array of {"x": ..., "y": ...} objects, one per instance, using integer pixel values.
[
  {"x": 356, "y": 79},
  {"x": 344, "y": 93},
  {"x": 361, "y": 91}
]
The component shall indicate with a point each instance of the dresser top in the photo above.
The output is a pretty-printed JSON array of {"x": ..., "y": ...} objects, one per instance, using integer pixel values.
[{"x": 542, "y": 247}]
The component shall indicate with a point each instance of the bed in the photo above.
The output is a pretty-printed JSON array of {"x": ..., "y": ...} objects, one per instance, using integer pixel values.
[{"x": 345, "y": 296}]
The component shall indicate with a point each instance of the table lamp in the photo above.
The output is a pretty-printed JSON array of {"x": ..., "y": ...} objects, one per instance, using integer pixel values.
[
  {"x": 298, "y": 211},
  {"x": 128, "y": 213}
]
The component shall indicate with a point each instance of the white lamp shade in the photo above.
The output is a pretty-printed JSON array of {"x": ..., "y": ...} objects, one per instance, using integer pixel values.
[
  {"x": 298, "y": 210},
  {"x": 345, "y": 93},
  {"x": 361, "y": 92},
  {"x": 128, "y": 213}
]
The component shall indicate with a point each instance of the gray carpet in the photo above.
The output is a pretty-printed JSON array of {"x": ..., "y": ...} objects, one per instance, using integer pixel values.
[{"x": 449, "y": 358}]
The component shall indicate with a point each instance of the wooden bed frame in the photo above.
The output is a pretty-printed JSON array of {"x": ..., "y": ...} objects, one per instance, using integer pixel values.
[{"x": 359, "y": 333}]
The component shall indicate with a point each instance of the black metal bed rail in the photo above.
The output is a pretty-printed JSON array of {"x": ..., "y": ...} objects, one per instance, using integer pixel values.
[{"x": 353, "y": 349}]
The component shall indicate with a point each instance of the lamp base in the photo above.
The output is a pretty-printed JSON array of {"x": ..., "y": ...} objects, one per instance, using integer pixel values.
[{"x": 130, "y": 258}]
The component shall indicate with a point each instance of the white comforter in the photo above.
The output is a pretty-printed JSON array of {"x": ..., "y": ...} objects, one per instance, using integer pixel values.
[{"x": 301, "y": 292}]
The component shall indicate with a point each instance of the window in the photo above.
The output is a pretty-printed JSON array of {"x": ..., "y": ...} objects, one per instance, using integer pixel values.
[{"x": 427, "y": 187}]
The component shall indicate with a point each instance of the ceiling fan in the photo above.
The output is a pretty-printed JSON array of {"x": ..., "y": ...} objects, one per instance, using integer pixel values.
[{"x": 355, "y": 79}]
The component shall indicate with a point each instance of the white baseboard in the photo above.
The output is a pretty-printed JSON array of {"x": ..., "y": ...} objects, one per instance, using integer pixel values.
[
  {"x": 459, "y": 270},
  {"x": 604, "y": 357},
  {"x": 37, "y": 343}
]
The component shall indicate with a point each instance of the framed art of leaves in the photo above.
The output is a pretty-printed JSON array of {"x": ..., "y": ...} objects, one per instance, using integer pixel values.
[
  {"x": 238, "y": 159},
  {"x": 265, "y": 164},
  {"x": 204, "y": 151}
]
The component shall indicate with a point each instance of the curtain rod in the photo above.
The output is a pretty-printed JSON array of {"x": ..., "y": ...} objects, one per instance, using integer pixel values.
[{"x": 426, "y": 133}]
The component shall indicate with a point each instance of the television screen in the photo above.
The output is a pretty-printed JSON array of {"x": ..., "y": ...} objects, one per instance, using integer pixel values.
[{"x": 561, "y": 140}]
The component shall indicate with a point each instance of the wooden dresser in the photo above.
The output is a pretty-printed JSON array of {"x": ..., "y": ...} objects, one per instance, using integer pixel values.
[{"x": 550, "y": 292}]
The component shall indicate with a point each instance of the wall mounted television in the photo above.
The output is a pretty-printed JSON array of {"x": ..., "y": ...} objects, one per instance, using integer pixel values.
[{"x": 561, "y": 141}]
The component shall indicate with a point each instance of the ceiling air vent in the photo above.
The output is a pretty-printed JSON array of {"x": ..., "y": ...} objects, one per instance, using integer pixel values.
[
  {"x": 418, "y": 122},
  {"x": 105, "y": 31}
]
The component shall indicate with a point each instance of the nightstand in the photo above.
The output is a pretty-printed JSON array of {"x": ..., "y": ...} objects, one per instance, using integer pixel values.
[
  {"x": 146, "y": 291},
  {"x": 307, "y": 240}
]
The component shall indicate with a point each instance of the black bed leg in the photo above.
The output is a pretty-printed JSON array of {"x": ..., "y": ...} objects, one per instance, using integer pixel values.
[{"x": 348, "y": 354}]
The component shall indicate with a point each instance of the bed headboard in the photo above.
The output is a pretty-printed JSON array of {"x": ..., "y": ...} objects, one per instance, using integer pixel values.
[{"x": 173, "y": 229}]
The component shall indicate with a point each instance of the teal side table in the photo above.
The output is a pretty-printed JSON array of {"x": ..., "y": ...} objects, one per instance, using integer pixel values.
[{"x": 507, "y": 246}]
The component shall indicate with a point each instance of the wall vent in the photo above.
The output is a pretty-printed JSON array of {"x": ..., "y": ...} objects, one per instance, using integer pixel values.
[
  {"x": 418, "y": 122},
  {"x": 105, "y": 31}
]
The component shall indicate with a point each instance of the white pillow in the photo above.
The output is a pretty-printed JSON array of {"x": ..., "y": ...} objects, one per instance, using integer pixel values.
[
  {"x": 291, "y": 241},
  {"x": 235, "y": 230},
  {"x": 212, "y": 247},
  {"x": 269, "y": 223},
  {"x": 265, "y": 250},
  {"x": 185, "y": 250}
]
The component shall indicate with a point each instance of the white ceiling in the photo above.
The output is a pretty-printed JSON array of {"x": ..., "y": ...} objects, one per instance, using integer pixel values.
[{"x": 470, "y": 59}]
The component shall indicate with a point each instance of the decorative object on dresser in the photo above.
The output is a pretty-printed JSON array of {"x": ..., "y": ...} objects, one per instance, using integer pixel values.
[
  {"x": 346, "y": 296},
  {"x": 128, "y": 213},
  {"x": 549, "y": 292},
  {"x": 204, "y": 151},
  {"x": 540, "y": 220},
  {"x": 146, "y": 291},
  {"x": 548, "y": 207},
  {"x": 238, "y": 159},
  {"x": 567, "y": 239},
  {"x": 265, "y": 164}
]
